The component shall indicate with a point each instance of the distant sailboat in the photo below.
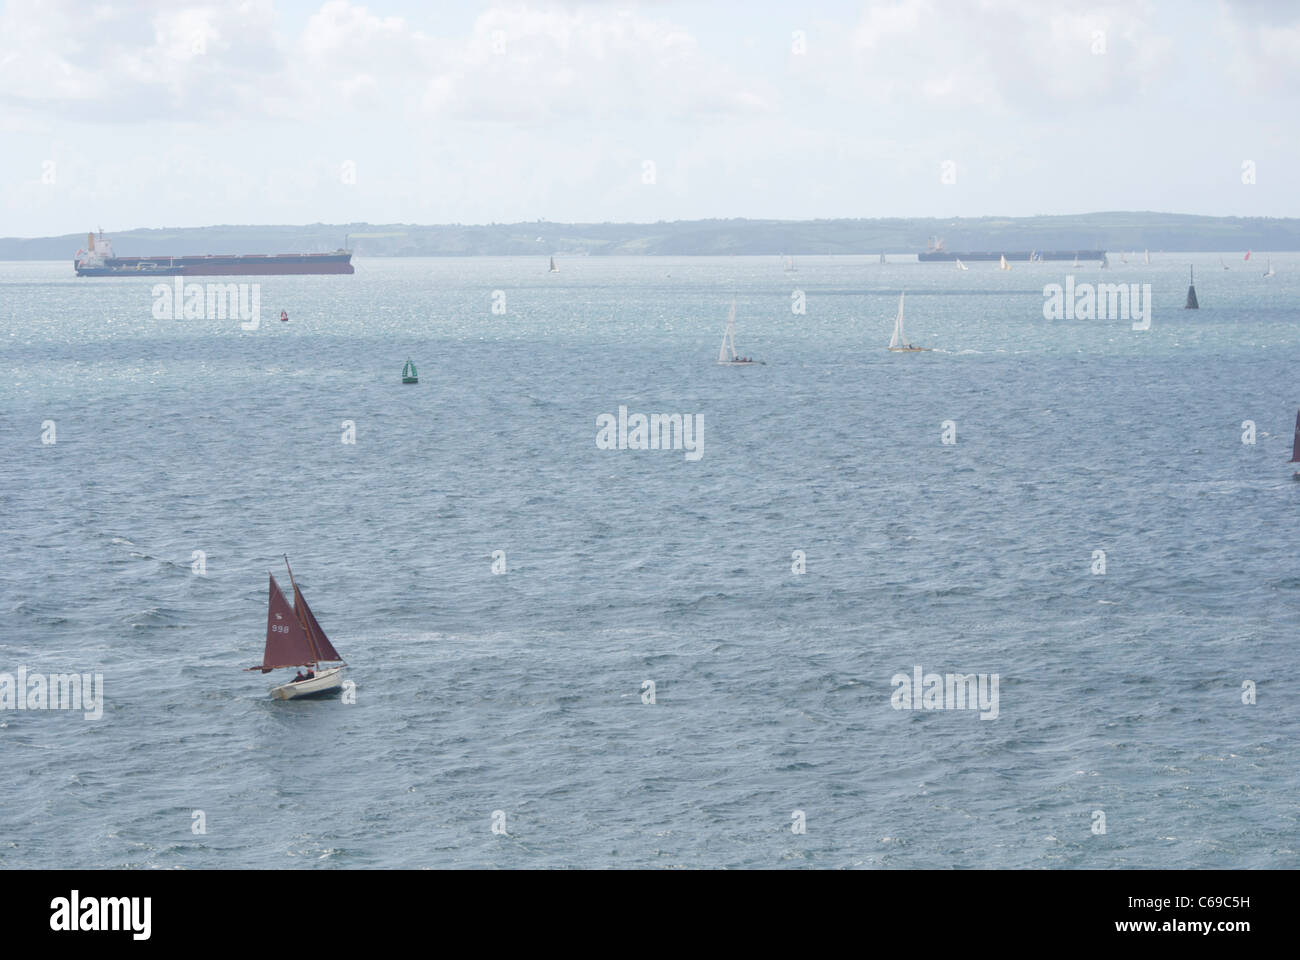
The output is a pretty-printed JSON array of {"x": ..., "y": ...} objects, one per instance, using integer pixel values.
[
  {"x": 1192, "y": 303},
  {"x": 554, "y": 268},
  {"x": 1224, "y": 265},
  {"x": 882, "y": 258},
  {"x": 789, "y": 265},
  {"x": 1295, "y": 446},
  {"x": 1247, "y": 256},
  {"x": 898, "y": 342},
  {"x": 962, "y": 266},
  {"x": 727, "y": 351},
  {"x": 1004, "y": 265},
  {"x": 1269, "y": 273},
  {"x": 1146, "y": 257},
  {"x": 295, "y": 639},
  {"x": 1076, "y": 261},
  {"x": 1105, "y": 262}
]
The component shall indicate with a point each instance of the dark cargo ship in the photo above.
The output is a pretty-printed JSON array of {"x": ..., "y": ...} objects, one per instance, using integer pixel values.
[
  {"x": 936, "y": 251},
  {"x": 97, "y": 260}
]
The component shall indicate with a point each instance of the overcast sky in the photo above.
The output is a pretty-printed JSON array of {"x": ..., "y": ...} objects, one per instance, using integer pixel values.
[{"x": 148, "y": 114}]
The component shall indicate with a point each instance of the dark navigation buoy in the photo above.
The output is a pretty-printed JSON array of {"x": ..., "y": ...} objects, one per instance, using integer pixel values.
[{"x": 1191, "y": 303}]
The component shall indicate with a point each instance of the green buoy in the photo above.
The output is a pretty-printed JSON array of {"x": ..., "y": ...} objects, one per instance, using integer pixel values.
[
  {"x": 1191, "y": 303},
  {"x": 408, "y": 373}
]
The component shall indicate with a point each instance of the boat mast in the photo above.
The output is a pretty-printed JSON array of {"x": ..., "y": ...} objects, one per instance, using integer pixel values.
[{"x": 311, "y": 637}]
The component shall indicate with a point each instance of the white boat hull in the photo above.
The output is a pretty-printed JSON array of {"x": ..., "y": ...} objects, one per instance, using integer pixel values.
[{"x": 324, "y": 682}]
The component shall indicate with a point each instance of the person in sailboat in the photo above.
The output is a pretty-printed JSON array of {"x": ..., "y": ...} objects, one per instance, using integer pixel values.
[{"x": 298, "y": 678}]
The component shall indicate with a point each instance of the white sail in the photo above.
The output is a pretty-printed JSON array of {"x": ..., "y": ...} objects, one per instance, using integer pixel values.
[
  {"x": 1076, "y": 259},
  {"x": 882, "y": 258},
  {"x": 1004, "y": 265},
  {"x": 554, "y": 268},
  {"x": 962, "y": 266},
  {"x": 1269, "y": 273},
  {"x": 1146, "y": 256},
  {"x": 897, "y": 339},
  {"x": 729, "y": 337}
]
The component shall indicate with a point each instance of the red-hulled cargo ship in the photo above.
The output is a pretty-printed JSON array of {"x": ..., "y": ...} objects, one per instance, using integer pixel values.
[{"x": 97, "y": 260}]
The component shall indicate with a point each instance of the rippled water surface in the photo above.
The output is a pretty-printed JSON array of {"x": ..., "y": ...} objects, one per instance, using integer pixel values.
[{"x": 522, "y": 692}]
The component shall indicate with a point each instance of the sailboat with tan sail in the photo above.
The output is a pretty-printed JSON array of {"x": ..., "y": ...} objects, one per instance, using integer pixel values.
[{"x": 295, "y": 639}]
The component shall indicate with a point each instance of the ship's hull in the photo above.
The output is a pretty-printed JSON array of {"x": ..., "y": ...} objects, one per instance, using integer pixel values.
[
  {"x": 286, "y": 264},
  {"x": 944, "y": 255},
  {"x": 327, "y": 681}
]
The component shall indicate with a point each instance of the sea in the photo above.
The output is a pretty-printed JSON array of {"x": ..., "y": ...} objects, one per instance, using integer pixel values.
[{"x": 563, "y": 654}]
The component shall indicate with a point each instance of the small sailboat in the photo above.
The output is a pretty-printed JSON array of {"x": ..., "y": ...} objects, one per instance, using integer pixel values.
[
  {"x": 408, "y": 372},
  {"x": 1247, "y": 256},
  {"x": 1224, "y": 265},
  {"x": 1295, "y": 447},
  {"x": 789, "y": 265},
  {"x": 284, "y": 316},
  {"x": 882, "y": 258},
  {"x": 1004, "y": 265},
  {"x": 962, "y": 266},
  {"x": 1192, "y": 303},
  {"x": 727, "y": 351},
  {"x": 554, "y": 268},
  {"x": 898, "y": 343},
  {"x": 1146, "y": 257},
  {"x": 1076, "y": 261},
  {"x": 1105, "y": 262},
  {"x": 295, "y": 639},
  {"x": 1269, "y": 272}
]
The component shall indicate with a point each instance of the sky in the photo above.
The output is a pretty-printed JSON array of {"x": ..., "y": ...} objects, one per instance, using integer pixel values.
[{"x": 122, "y": 114}]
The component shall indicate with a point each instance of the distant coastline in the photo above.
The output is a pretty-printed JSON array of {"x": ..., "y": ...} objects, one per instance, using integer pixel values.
[{"x": 1163, "y": 232}]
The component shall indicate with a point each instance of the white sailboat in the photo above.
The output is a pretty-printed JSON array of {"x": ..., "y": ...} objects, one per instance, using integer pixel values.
[
  {"x": 1076, "y": 261},
  {"x": 1004, "y": 265},
  {"x": 554, "y": 268},
  {"x": 1105, "y": 262},
  {"x": 1269, "y": 272},
  {"x": 789, "y": 265},
  {"x": 727, "y": 351},
  {"x": 898, "y": 342},
  {"x": 882, "y": 258},
  {"x": 1146, "y": 257},
  {"x": 1224, "y": 265},
  {"x": 962, "y": 266}
]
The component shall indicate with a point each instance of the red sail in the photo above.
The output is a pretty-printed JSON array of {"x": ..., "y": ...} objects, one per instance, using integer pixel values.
[
  {"x": 1295, "y": 447},
  {"x": 287, "y": 644},
  {"x": 324, "y": 649}
]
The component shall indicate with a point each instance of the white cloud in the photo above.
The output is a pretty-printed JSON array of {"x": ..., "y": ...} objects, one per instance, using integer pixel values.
[{"x": 1008, "y": 55}]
